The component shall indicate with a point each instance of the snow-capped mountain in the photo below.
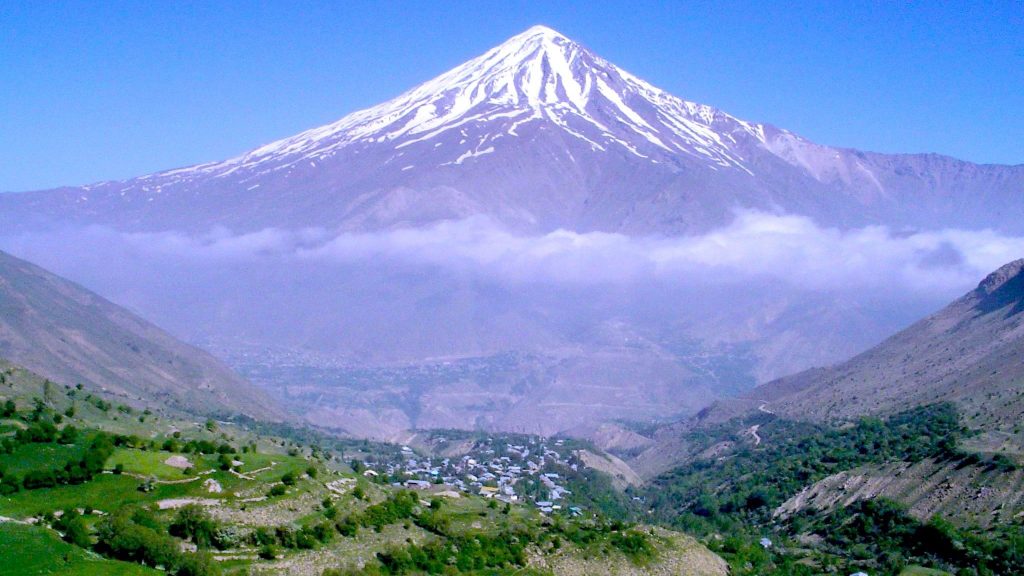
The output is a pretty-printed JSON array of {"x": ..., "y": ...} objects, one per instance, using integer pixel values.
[
  {"x": 342, "y": 285},
  {"x": 540, "y": 133},
  {"x": 538, "y": 75}
]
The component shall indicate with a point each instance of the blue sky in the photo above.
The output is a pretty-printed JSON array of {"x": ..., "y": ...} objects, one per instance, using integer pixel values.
[{"x": 92, "y": 91}]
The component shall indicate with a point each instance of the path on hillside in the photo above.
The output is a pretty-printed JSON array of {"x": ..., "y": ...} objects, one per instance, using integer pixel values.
[{"x": 753, "y": 432}]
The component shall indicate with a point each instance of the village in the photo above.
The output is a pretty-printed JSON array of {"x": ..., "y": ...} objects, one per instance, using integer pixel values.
[{"x": 531, "y": 471}]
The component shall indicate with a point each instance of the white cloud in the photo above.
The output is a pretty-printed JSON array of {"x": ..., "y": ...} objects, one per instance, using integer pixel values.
[{"x": 791, "y": 249}]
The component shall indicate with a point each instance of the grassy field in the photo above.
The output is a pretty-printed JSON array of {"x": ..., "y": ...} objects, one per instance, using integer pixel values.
[
  {"x": 29, "y": 457},
  {"x": 29, "y": 550},
  {"x": 147, "y": 463},
  {"x": 106, "y": 492}
]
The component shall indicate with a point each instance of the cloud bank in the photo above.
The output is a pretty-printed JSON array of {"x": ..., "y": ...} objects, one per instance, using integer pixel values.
[
  {"x": 790, "y": 249},
  {"x": 799, "y": 294}
]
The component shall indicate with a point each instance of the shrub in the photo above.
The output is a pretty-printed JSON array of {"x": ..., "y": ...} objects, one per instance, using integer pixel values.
[
  {"x": 268, "y": 552},
  {"x": 347, "y": 527},
  {"x": 69, "y": 435},
  {"x": 136, "y": 535},
  {"x": 74, "y": 529}
]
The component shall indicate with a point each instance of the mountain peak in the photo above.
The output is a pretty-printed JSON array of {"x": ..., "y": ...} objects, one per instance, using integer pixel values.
[
  {"x": 539, "y": 30},
  {"x": 526, "y": 48},
  {"x": 537, "y": 77}
]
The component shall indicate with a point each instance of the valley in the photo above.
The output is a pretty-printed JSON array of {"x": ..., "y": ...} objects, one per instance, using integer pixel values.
[
  {"x": 634, "y": 254},
  {"x": 512, "y": 392},
  {"x": 532, "y": 316}
]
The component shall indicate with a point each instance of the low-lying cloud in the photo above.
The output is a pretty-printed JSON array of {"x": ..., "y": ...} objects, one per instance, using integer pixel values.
[
  {"x": 791, "y": 249},
  {"x": 797, "y": 293},
  {"x": 755, "y": 246}
]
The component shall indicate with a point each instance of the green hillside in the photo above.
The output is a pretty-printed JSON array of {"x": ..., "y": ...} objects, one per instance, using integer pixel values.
[
  {"x": 88, "y": 486},
  {"x": 746, "y": 487}
]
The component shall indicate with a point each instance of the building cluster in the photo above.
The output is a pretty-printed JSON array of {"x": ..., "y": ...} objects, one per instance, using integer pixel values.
[{"x": 530, "y": 471}]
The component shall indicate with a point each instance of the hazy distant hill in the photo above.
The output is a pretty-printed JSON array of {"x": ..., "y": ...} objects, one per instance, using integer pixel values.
[{"x": 64, "y": 332}]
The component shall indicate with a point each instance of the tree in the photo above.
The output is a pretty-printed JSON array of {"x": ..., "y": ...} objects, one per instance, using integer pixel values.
[
  {"x": 120, "y": 536},
  {"x": 9, "y": 409},
  {"x": 69, "y": 435},
  {"x": 74, "y": 529},
  {"x": 194, "y": 523}
]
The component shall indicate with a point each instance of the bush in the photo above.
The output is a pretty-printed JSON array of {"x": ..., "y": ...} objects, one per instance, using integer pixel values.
[
  {"x": 268, "y": 552},
  {"x": 635, "y": 545},
  {"x": 198, "y": 564},
  {"x": 136, "y": 535},
  {"x": 39, "y": 479},
  {"x": 9, "y": 484},
  {"x": 73, "y": 528},
  {"x": 69, "y": 435},
  {"x": 348, "y": 527},
  {"x": 40, "y": 432},
  {"x": 397, "y": 507},
  {"x": 120, "y": 537},
  {"x": 1003, "y": 463}
]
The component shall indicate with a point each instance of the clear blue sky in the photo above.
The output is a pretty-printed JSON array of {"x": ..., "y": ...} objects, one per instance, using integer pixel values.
[{"x": 104, "y": 90}]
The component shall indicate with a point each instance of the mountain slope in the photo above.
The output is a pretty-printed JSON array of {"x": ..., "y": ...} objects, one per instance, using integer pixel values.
[
  {"x": 539, "y": 133},
  {"x": 970, "y": 353},
  {"x": 64, "y": 332}
]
